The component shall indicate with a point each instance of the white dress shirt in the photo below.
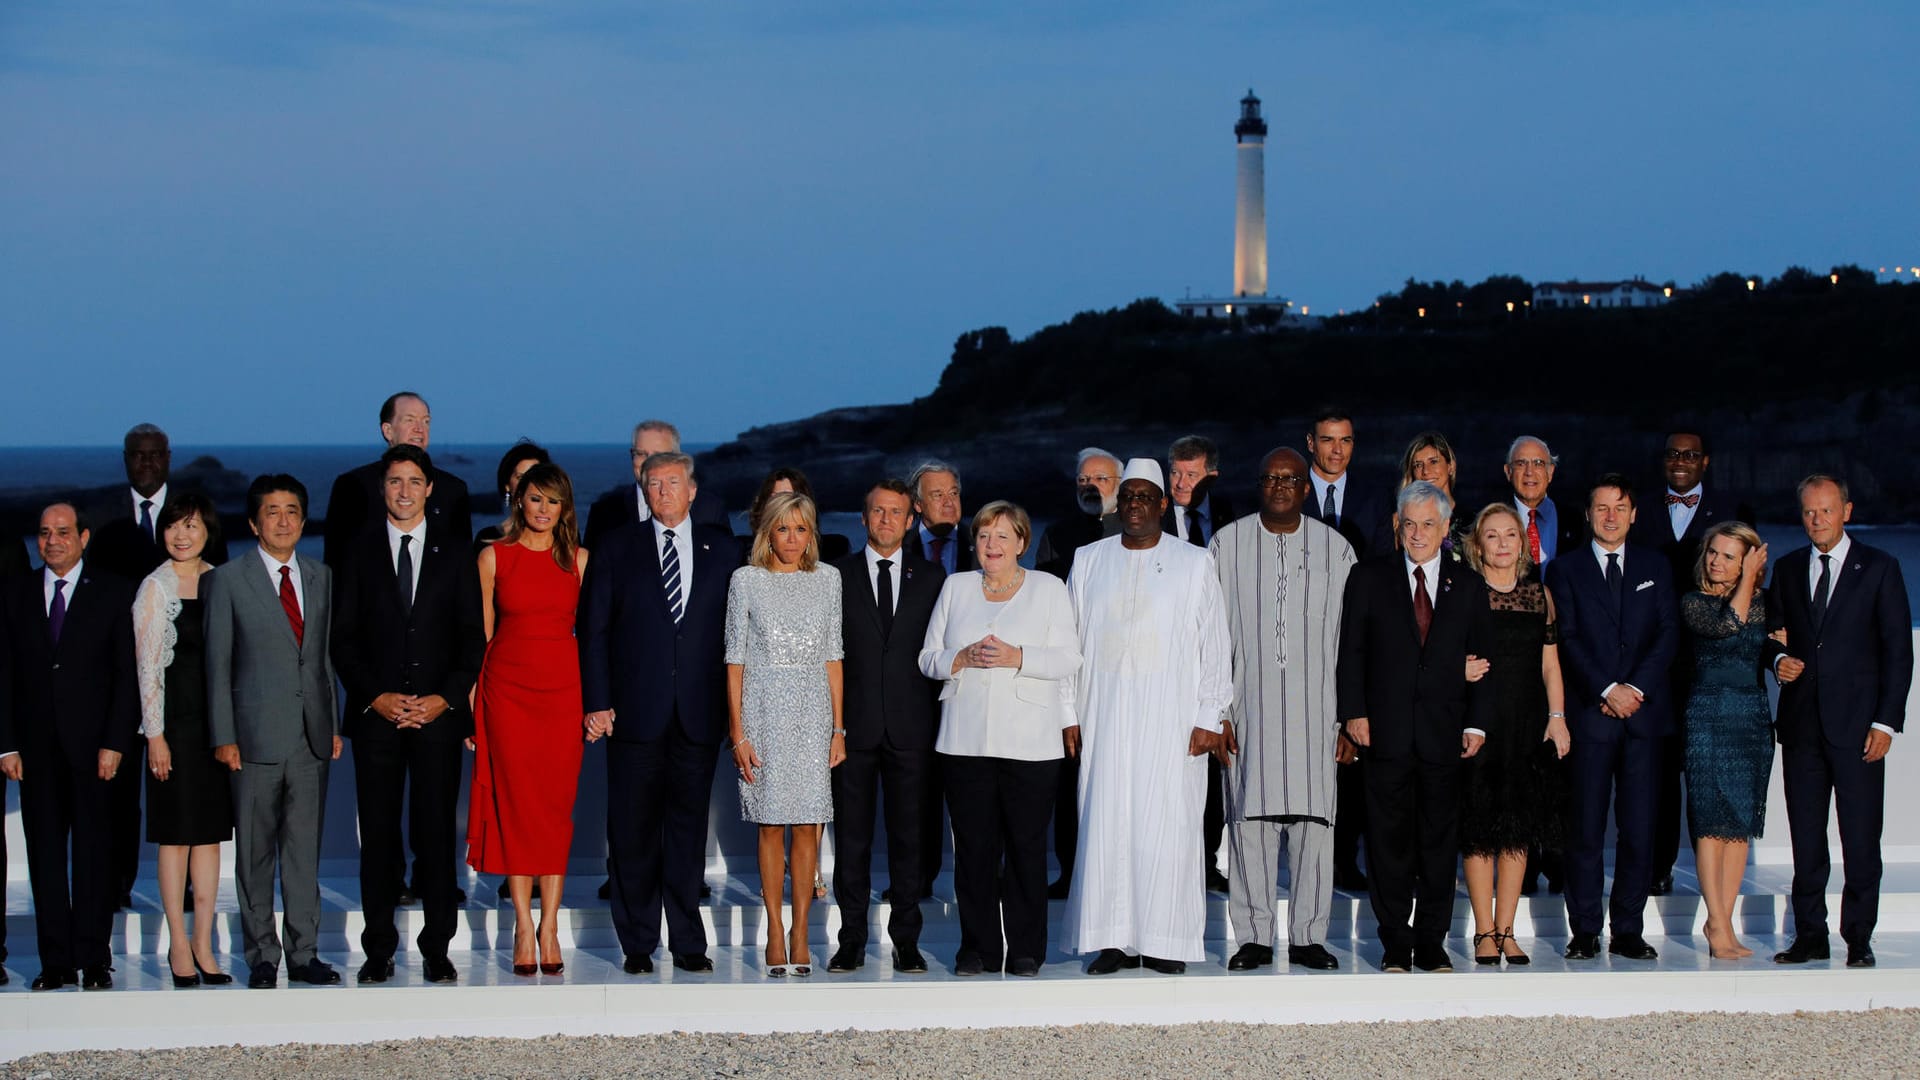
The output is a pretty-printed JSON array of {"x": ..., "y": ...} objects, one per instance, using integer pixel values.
[
  {"x": 419, "y": 534},
  {"x": 1204, "y": 509},
  {"x": 1320, "y": 486},
  {"x": 873, "y": 574},
  {"x": 1679, "y": 514},
  {"x": 153, "y": 510},
  {"x": 1600, "y": 556},
  {"x": 71, "y": 577},
  {"x": 682, "y": 545},
  {"x": 1837, "y": 558},
  {"x": 1432, "y": 569},
  {"x": 273, "y": 566}
]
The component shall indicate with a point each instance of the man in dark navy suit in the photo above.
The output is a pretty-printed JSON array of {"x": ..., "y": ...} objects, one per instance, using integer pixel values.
[
  {"x": 1619, "y": 630},
  {"x": 892, "y": 718},
  {"x": 652, "y": 628},
  {"x": 1677, "y": 529},
  {"x": 69, "y": 715},
  {"x": 1844, "y": 669},
  {"x": 627, "y": 503}
]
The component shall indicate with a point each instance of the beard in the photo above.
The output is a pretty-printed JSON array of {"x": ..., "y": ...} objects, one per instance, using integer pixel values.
[{"x": 1092, "y": 503}]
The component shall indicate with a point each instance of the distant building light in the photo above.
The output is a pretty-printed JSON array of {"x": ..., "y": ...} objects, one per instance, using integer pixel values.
[
  {"x": 1752, "y": 284},
  {"x": 1229, "y": 309},
  {"x": 1303, "y": 307},
  {"x": 1668, "y": 292},
  {"x": 1834, "y": 278},
  {"x": 1509, "y": 307},
  {"x": 1586, "y": 298},
  {"x": 1423, "y": 312}
]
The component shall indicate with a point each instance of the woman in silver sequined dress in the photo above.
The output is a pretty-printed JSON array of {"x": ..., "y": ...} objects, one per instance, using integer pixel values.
[{"x": 784, "y": 702}]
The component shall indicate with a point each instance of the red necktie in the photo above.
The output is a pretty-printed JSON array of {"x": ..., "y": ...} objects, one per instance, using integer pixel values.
[
  {"x": 291, "y": 605},
  {"x": 1691, "y": 501},
  {"x": 1422, "y": 604},
  {"x": 1533, "y": 535}
]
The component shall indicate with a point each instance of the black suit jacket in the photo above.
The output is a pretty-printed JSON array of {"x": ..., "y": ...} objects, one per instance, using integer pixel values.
[
  {"x": 1366, "y": 521},
  {"x": 1602, "y": 643},
  {"x": 621, "y": 506},
  {"x": 1219, "y": 511},
  {"x": 357, "y": 505},
  {"x": 1859, "y": 660},
  {"x": 1064, "y": 538},
  {"x": 634, "y": 659},
  {"x": 1416, "y": 699},
  {"x": 13, "y": 559},
  {"x": 378, "y": 649},
  {"x": 122, "y": 548},
  {"x": 886, "y": 695},
  {"x": 76, "y": 698},
  {"x": 1652, "y": 528},
  {"x": 962, "y": 535}
]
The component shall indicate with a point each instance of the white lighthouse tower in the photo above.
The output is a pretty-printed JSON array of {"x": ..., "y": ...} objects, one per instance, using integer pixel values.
[{"x": 1250, "y": 201}]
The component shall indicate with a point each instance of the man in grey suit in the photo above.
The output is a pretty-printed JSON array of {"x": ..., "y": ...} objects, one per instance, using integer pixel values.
[{"x": 270, "y": 704}]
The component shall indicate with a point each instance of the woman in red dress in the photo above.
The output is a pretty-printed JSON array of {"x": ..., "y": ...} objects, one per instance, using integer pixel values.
[{"x": 527, "y": 718}]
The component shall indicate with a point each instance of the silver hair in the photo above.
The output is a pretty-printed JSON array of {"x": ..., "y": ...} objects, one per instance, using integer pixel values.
[
  {"x": 661, "y": 426},
  {"x": 141, "y": 431},
  {"x": 1091, "y": 452},
  {"x": 1421, "y": 491},
  {"x": 1515, "y": 445},
  {"x": 665, "y": 459},
  {"x": 1188, "y": 447},
  {"x": 931, "y": 465}
]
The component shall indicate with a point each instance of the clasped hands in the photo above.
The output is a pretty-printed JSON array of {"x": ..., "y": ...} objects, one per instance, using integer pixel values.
[
  {"x": 410, "y": 710},
  {"x": 988, "y": 652},
  {"x": 1622, "y": 701}
]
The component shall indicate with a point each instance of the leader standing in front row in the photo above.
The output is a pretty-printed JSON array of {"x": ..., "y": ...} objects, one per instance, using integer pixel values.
[{"x": 272, "y": 720}]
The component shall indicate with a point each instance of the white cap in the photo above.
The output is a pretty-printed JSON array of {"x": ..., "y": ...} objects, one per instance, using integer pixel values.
[{"x": 1145, "y": 468}]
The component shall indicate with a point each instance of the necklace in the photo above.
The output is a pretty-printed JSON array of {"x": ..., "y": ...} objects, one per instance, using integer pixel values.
[{"x": 1012, "y": 583}]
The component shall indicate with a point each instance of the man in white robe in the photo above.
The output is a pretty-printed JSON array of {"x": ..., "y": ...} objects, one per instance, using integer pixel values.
[{"x": 1155, "y": 683}]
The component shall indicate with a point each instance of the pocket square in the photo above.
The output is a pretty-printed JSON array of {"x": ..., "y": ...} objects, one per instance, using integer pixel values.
[{"x": 1643, "y": 585}]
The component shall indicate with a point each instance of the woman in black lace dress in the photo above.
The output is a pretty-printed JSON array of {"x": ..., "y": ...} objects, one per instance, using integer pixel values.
[
  {"x": 1511, "y": 797},
  {"x": 1729, "y": 728}
]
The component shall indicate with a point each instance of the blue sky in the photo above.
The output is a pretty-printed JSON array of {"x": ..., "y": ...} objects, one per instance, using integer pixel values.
[{"x": 248, "y": 222}]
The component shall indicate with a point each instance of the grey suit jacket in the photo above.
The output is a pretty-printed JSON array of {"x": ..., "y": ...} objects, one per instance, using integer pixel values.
[{"x": 264, "y": 691}]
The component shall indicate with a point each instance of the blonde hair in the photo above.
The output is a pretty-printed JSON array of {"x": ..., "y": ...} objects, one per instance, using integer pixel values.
[
  {"x": 1739, "y": 530},
  {"x": 1001, "y": 508},
  {"x": 1476, "y": 555},
  {"x": 780, "y": 508}
]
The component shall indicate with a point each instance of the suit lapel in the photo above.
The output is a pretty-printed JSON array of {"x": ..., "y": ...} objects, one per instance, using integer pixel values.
[
  {"x": 1402, "y": 591},
  {"x": 862, "y": 585},
  {"x": 1847, "y": 583},
  {"x": 267, "y": 598}
]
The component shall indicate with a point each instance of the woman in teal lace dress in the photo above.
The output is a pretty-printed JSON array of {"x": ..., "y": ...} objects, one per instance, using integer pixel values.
[{"x": 1729, "y": 730}]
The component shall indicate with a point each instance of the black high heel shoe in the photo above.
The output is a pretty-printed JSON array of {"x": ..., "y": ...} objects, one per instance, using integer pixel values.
[
  {"x": 183, "y": 982},
  {"x": 1487, "y": 961},
  {"x": 211, "y": 978},
  {"x": 1513, "y": 959}
]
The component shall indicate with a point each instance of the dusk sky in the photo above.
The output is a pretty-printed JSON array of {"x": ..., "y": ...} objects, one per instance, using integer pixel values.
[{"x": 248, "y": 222}]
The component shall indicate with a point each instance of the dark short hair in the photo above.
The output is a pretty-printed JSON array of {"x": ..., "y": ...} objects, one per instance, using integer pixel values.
[
  {"x": 410, "y": 454},
  {"x": 266, "y": 484},
  {"x": 1697, "y": 431},
  {"x": 1188, "y": 447},
  {"x": 390, "y": 406},
  {"x": 891, "y": 483},
  {"x": 1328, "y": 414},
  {"x": 80, "y": 522},
  {"x": 142, "y": 431},
  {"x": 1618, "y": 480},
  {"x": 1816, "y": 479},
  {"x": 524, "y": 450},
  {"x": 784, "y": 472},
  {"x": 183, "y": 505}
]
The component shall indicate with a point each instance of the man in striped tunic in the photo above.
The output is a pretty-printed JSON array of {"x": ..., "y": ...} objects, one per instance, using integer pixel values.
[{"x": 1282, "y": 575}]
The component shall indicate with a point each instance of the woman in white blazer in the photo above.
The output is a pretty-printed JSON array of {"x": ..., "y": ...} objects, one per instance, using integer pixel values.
[{"x": 1005, "y": 645}]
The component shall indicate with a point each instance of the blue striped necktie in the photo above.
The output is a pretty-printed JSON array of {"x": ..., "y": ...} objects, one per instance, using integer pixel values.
[{"x": 670, "y": 577}]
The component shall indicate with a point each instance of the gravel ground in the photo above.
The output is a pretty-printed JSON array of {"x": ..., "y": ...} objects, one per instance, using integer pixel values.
[{"x": 1880, "y": 1043}]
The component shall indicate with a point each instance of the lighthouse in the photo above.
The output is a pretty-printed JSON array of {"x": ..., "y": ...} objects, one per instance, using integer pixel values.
[{"x": 1250, "y": 201}]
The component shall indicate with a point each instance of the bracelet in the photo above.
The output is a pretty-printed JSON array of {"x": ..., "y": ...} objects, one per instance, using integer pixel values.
[
  {"x": 839, "y": 731},
  {"x": 1556, "y": 716}
]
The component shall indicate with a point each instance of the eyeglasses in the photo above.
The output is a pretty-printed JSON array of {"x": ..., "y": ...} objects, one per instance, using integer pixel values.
[
  {"x": 1137, "y": 496},
  {"x": 1283, "y": 480},
  {"x": 1084, "y": 480},
  {"x": 1530, "y": 463},
  {"x": 1688, "y": 456}
]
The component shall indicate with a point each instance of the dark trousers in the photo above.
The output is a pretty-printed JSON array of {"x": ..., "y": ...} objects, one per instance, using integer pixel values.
[
  {"x": 123, "y": 854},
  {"x": 1668, "y": 804},
  {"x": 1621, "y": 772},
  {"x": 382, "y": 769},
  {"x": 1066, "y": 817},
  {"x": 858, "y": 784},
  {"x": 1213, "y": 819},
  {"x": 3, "y": 864},
  {"x": 62, "y": 806},
  {"x": 933, "y": 830},
  {"x": 1000, "y": 809},
  {"x": 1817, "y": 773},
  {"x": 1350, "y": 823},
  {"x": 1413, "y": 845},
  {"x": 657, "y": 794}
]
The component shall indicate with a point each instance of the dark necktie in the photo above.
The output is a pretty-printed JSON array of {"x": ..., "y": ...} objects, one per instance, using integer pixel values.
[
  {"x": 1616, "y": 581},
  {"x": 883, "y": 585},
  {"x": 1330, "y": 513},
  {"x": 940, "y": 550},
  {"x": 1822, "y": 591},
  {"x": 670, "y": 577},
  {"x": 290, "y": 603},
  {"x": 146, "y": 519},
  {"x": 1193, "y": 528},
  {"x": 1422, "y": 604},
  {"x": 57, "y": 614},
  {"x": 404, "y": 572}
]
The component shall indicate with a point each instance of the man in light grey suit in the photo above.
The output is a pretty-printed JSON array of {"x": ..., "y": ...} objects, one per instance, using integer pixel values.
[{"x": 271, "y": 711}]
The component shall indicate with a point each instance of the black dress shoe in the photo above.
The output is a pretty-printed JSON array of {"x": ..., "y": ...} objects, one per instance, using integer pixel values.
[
  {"x": 1110, "y": 961},
  {"x": 638, "y": 965},
  {"x": 4, "y": 977},
  {"x": 606, "y": 889},
  {"x": 1662, "y": 885},
  {"x": 706, "y": 891},
  {"x": 1432, "y": 958},
  {"x": 263, "y": 977},
  {"x": 1583, "y": 947},
  {"x": 98, "y": 977},
  {"x": 406, "y": 897},
  {"x": 1024, "y": 966},
  {"x": 697, "y": 963},
  {"x": 847, "y": 958},
  {"x": 1860, "y": 956},
  {"x": 1250, "y": 956},
  {"x": 459, "y": 896},
  {"x": 1397, "y": 960},
  {"x": 1312, "y": 956},
  {"x": 126, "y": 901},
  {"x": 1631, "y": 947},
  {"x": 507, "y": 894},
  {"x": 1060, "y": 889},
  {"x": 1217, "y": 881},
  {"x": 967, "y": 965},
  {"x": 439, "y": 969},
  {"x": 314, "y": 973},
  {"x": 1804, "y": 949},
  {"x": 1350, "y": 880},
  {"x": 908, "y": 961},
  {"x": 374, "y": 971},
  {"x": 1164, "y": 967},
  {"x": 1530, "y": 883},
  {"x": 52, "y": 980}
]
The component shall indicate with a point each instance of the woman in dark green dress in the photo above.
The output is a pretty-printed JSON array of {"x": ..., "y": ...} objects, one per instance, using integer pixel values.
[{"x": 1729, "y": 728}]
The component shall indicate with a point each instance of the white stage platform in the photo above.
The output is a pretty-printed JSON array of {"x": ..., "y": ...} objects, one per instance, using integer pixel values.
[{"x": 594, "y": 996}]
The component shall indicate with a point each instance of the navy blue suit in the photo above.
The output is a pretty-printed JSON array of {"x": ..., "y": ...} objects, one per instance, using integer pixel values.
[
  {"x": 666, "y": 684},
  {"x": 1859, "y": 668},
  {"x": 1604, "y": 640}
]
